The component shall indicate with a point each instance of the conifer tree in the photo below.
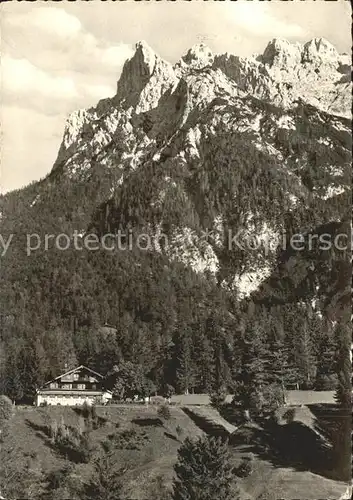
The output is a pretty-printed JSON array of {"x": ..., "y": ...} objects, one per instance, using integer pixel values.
[
  {"x": 343, "y": 396},
  {"x": 185, "y": 365},
  {"x": 204, "y": 471},
  {"x": 326, "y": 378},
  {"x": 206, "y": 370},
  {"x": 277, "y": 367},
  {"x": 106, "y": 481},
  {"x": 305, "y": 356},
  {"x": 252, "y": 377}
]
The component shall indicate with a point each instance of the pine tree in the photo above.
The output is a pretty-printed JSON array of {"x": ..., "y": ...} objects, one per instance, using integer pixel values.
[
  {"x": 343, "y": 396},
  {"x": 276, "y": 367},
  {"x": 204, "y": 471},
  {"x": 291, "y": 372},
  {"x": 252, "y": 377},
  {"x": 216, "y": 332},
  {"x": 107, "y": 480},
  {"x": 185, "y": 366},
  {"x": 326, "y": 378},
  {"x": 205, "y": 369},
  {"x": 260, "y": 381},
  {"x": 305, "y": 356}
]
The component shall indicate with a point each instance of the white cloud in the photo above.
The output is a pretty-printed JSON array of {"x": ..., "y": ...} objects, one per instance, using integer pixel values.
[
  {"x": 257, "y": 18},
  {"x": 116, "y": 55},
  {"x": 24, "y": 85},
  {"x": 52, "y": 64},
  {"x": 53, "y": 20},
  {"x": 98, "y": 91},
  {"x": 21, "y": 76},
  {"x": 29, "y": 144},
  {"x": 61, "y": 42}
]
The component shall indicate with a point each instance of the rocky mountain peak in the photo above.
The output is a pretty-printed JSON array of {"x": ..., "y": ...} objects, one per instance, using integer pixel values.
[
  {"x": 319, "y": 51},
  {"x": 144, "y": 78},
  {"x": 280, "y": 52},
  {"x": 198, "y": 57},
  {"x": 167, "y": 95},
  {"x": 137, "y": 70}
]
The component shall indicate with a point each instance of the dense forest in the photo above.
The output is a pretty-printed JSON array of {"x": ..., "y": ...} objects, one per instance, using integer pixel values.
[{"x": 181, "y": 328}]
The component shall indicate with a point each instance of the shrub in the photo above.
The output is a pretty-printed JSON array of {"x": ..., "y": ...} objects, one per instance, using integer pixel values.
[
  {"x": 71, "y": 442},
  {"x": 271, "y": 398},
  {"x": 107, "y": 445},
  {"x": 52, "y": 428},
  {"x": 246, "y": 467},
  {"x": 129, "y": 439},
  {"x": 87, "y": 410},
  {"x": 106, "y": 482},
  {"x": 326, "y": 382},
  {"x": 164, "y": 412},
  {"x": 6, "y": 410},
  {"x": 91, "y": 418},
  {"x": 58, "y": 478},
  {"x": 179, "y": 430},
  {"x": 218, "y": 398},
  {"x": 168, "y": 391}
]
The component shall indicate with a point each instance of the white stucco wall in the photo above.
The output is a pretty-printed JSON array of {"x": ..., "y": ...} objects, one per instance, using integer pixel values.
[
  {"x": 69, "y": 400},
  {"x": 63, "y": 400}
]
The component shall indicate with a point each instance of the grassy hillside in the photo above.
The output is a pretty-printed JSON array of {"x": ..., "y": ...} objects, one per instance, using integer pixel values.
[{"x": 142, "y": 448}]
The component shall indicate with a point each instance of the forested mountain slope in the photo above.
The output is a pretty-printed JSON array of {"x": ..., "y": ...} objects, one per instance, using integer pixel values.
[{"x": 182, "y": 160}]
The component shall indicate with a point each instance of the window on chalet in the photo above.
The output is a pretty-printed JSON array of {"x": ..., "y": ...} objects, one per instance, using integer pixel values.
[
  {"x": 76, "y": 376},
  {"x": 53, "y": 385},
  {"x": 66, "y": 386},
  {"x": 81, "y": 386}
]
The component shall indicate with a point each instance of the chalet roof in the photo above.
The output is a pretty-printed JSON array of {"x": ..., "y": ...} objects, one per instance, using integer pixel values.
[{"x": 73, "y": 371}]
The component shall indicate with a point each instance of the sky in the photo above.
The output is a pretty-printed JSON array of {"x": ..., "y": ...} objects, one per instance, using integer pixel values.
[{"x": 59, "y": 57}]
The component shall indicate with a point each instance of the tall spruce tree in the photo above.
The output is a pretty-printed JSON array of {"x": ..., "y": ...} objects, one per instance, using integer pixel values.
[
  {"x": 326, "y": 377},
  {"x": 305, "y": 356},
  {"x": 205, "y": 370},
  {"x": 185, "y": 372},
  {"x": 343, "y": 396},
  {"x": 252, "y": 376},
  {"x": 277, "y": 367},
  {"x": 204, "y": 471}
]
